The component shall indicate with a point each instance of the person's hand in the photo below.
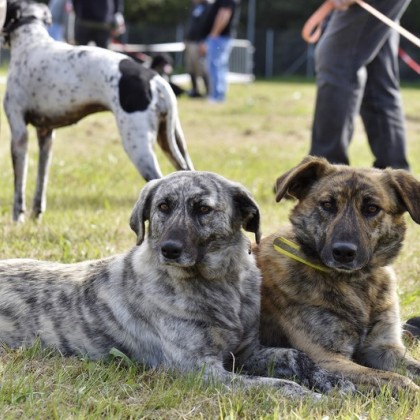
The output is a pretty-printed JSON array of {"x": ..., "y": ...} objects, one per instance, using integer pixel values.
[
  {"x": 342, "y": 4},
  {"x": 202, "y": 49},
  {"x": 118, "y": 26}
]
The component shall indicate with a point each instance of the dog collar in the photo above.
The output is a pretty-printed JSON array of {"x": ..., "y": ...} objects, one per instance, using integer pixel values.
[{"x": 292, "y": 250}]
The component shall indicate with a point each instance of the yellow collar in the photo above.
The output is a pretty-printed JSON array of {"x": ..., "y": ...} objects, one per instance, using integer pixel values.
[{"x": 292, "y": 250}]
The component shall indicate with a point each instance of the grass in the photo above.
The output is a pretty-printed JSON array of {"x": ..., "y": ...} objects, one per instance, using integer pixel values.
[{"x": 261, "y": 131}]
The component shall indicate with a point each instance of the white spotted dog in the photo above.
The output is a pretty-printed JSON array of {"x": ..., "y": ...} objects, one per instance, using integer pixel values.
[
  {"x": 51, "y": 84},
  {"x": 186, "y": 298}
]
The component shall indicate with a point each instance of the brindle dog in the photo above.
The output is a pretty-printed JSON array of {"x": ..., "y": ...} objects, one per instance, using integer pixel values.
[{"x": 327, "y": 288}]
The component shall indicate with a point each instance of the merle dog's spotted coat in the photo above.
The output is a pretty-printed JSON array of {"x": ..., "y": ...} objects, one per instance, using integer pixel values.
[
  {"x": 52, "y": 84},
  {"x": 345, "y": 316},
  {"x": 187, "y": 297}
]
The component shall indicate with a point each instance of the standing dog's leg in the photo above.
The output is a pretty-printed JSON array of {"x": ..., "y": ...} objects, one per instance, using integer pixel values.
[
  {"x": 138, "y": 132},
  {"x": 171, "y": 137},
  {"x": 182, "y": 144},
  {"x": 45, "y": 137},
  {"x": 162, "y": 140},
  {"x": 138, "y": 144},
  {"x": 19, "y": 149}
]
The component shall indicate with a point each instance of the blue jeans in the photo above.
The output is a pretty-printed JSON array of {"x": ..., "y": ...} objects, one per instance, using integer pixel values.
[
  {"x": 218, "y": 52},
  {"x": 56, "y": 31},
  {"x": 357, "y": 72}
]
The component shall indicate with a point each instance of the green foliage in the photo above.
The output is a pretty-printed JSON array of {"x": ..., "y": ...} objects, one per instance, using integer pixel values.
[
  {"x": 157, "y": 11},
  {"x": 269, "y": 13}
]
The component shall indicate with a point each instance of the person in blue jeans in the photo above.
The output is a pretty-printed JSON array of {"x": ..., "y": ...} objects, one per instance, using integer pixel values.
[
  {"x": 219, "y": 29},
  {"x": 356, "y": 63}
]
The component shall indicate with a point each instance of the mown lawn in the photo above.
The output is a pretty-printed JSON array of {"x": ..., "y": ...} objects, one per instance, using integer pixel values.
[{"x": 261, "y": 131}]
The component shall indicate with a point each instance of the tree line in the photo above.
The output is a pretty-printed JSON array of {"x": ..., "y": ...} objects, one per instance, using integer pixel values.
[{"x": 276, "y": 14}]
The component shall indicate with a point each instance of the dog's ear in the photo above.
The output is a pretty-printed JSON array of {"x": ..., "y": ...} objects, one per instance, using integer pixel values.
[
  {"x": 407, "y": 189},
  {"x": 297, "y": 181},
  {"x": 141, "y": 210},
  {"x": 248, "y": 211}
]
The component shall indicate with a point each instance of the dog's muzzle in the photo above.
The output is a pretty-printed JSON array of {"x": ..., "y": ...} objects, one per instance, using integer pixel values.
[
  {"x": 344, "y": 252},
  {"x": 344, "y": 256},
  {"x": 172, "y": 249}
]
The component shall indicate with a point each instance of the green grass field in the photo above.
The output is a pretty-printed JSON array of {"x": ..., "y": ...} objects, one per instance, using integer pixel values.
[{"x": 262, "y": 131}]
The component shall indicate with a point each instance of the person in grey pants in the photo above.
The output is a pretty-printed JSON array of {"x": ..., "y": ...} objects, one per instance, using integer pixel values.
[{"x": 357, "y": 71}]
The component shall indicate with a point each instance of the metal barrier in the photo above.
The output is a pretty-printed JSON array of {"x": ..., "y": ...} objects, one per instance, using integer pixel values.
[{"x": 241, "y": 62}]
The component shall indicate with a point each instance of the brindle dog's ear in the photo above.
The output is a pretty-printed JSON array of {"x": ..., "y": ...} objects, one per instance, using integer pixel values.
[
  {"x": 408, "y": 191},
  {"x": 141, "y": 210},
  {"x": 297, "y": 181},
  {"x": 248, "y": 210}
]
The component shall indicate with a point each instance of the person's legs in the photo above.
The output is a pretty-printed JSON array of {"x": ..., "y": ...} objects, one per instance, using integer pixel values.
[
  {"x": 206, "y": 82},
  {"x": 81, "y": 34},
  {"x": 218, "y": 51},
  {"x": 381, "y": 108},
  {"x": 101, "y": 37},
  {"x": 56, "y": 31},
  {"x": 191, "y": 59},
  {"x": 85, "y": 33},
  {"x": 352, "y": 40},
  {"x": 189, "y": 66}
]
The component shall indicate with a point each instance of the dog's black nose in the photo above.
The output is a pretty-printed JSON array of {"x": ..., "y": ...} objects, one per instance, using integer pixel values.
[
  {"x": 344, "y": 252},
  {"x": 171, "y": 249}
]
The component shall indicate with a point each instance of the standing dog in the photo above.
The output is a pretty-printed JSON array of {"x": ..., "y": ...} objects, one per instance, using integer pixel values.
[
  {"x": 327, "y": 289},
  {"x": 52, "y": 84},
  {"x": 187, "y": 297}
]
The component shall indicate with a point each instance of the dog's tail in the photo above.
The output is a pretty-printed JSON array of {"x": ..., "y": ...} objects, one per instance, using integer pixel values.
[{"x": 171, "y": 136}]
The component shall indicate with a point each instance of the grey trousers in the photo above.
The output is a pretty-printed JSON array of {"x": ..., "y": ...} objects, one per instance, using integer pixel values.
[{"x": 357, "y": 72}]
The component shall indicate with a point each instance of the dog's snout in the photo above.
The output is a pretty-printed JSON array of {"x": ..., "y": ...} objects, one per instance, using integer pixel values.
[
  {"x": 344, "y": 252},
  {"x": 171, "y": 249}
]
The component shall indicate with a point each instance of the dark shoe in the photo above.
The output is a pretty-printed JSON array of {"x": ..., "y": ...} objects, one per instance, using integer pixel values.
[
  {"x": 194, "y": 94},
  {"x": 412, "y": 327}
]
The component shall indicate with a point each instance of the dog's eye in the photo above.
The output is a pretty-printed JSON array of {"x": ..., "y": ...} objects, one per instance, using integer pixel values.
[
  {"x": 328, "y": 206},
  {"x": 371, "y": 210},
  {"x": 164, "y": 207},
  {"x": 204, "y": 209}
]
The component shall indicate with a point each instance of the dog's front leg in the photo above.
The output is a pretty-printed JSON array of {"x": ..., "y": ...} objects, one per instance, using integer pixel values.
[
  {"x": 413, "y": 367},
  {"x": 383, "y": 348},
  {"x": 45, "y": 137},
  {"x": 19, "y": 149},
  {"x": 216, "y": 373},
  {"x": 292, "y": 363},
  {"x": 390, "y": 358}
]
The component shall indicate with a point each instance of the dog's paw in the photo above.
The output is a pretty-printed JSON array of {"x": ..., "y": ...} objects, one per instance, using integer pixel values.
[
  {"x": 294, "y": 390},
  {"x": 329, "y": 382},
  {"x": 315, "y": 377},
  {"x": 19, "y": 217}
]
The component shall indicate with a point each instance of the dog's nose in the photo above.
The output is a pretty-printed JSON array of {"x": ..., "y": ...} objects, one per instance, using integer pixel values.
[
  {"x": 171, "y": 249},
  {"x": 344, "y": 252}
]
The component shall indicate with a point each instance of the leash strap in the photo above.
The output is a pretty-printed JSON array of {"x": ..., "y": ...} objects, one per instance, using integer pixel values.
[
  {"x": 292, "y": 250},
  {"x": 312, "y": 29},
  {"x": 385, "y": 19},
  {"x": 409, "y": 61}
]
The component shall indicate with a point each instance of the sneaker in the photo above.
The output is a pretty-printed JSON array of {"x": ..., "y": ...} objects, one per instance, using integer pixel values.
[{"x": 194, "y": 94}]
